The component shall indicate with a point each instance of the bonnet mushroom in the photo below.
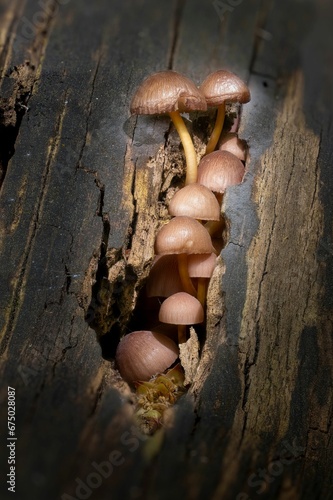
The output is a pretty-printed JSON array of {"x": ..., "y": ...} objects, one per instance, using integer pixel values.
[
  {"x": 219, "y": 170},
  {"x": 181, "y": 309},
  {"x": 164, "y": 279},
  {"x": 232, "y": 143},
  {"x": 197, "y": 201},
  {"x": 218, "y": 88},
  {"x": 172, "y": 93},
  {"x": 201, "y": 267},
  {"x": 142, "y": 354},
  {"x": 182, "y": 236}
]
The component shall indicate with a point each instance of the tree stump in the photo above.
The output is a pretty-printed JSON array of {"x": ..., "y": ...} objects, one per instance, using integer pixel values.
[{"x": 81, "y": 187}]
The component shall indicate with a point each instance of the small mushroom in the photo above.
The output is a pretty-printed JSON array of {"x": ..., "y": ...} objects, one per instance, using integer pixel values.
[
  {"x": 181, "y": 309},
  {"x": 197, "y": 201},
  {"x": 142, "y": 354},
  {"x": 164, "y": 279},
  {"x": 201, "y": 267},
  {"x": 231, "y": 142},
  {"x": 172, "y": 93},
  {"x": 182, "y": 236},
  {"x": 219, "y": 170},
  {"x": 218, "y": 88}
]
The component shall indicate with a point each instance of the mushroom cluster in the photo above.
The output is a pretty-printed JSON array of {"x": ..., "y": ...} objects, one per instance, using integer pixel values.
[{"x": 185, "y": 246}]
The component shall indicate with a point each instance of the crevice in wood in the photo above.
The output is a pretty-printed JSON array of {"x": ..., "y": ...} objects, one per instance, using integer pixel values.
[
  {"x": 17, "y": 86},
  {"x": 177, "y": 20},
  {"x": 263, "y": 11},
  {"x": 12, "y": 110},
  {"x": 119, "y": 304},
  {"x": 19, "y": 283},
  {"x": 89, "y": 111}
]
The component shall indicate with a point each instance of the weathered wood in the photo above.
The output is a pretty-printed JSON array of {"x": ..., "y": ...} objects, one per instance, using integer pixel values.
[{"x": 80, "y": 204}]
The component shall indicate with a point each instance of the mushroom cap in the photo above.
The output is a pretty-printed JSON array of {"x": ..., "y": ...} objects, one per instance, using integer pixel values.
[
  {"x": 142, "y": 354},
  {"x": 167, "y": 91},
  {"x": 164, "y": 279},
  {"x": 181, "y": 309},
  {"x": 222, "y": 86},
  {"x": 219, "y": 170},
  {"x": 183, "y": 235},
  {"x": 197, "y": 201},
  {"x": 201, "y": 266},
  {"x": 231, "y": 142}
]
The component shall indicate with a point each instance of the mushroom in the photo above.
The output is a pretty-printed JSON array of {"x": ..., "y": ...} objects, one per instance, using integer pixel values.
[
  {"x": 181, "y": 236},
  {"x": 201, "y": 267},
  {"x": 231, "y": 142},
  {"x": 217, "y": 171},
  {"x": 164, "y": 279},
  {"x": 218, "y": 88},
  {"x": 181, "y": 309},
  {"x": 142, "y": 354},
  {"x": 172, "y": 93},
  {"x": 197, "y": 201}
]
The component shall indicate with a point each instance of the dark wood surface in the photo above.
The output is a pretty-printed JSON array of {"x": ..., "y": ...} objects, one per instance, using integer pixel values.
[{"x": 80, "y": 205}]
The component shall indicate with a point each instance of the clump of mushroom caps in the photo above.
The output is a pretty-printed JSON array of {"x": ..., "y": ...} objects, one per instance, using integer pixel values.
[{"x": 185, "y": 253}]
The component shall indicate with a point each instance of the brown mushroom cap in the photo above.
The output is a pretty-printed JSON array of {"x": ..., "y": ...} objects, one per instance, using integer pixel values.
[
  {"x": 181, "y": 309},
  {"x": 142, "y": 354},
  {"x": 224, "y": 86},
  {"x": 197, "y": 201},
  {"x": 183, "y": 235},
  {"x": 220, "y": 169},
  {"x": 164, "y": 279},
  {"x": 201, "y": 266},
  {"x": 167, "y": 91},
  {"x": 231, "y": 142}
]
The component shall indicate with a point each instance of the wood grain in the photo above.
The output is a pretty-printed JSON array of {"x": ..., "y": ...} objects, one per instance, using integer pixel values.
[{"x": 83, "y": 192}]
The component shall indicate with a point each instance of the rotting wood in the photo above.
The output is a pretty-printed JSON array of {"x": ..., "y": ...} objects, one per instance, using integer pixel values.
[{"x": 70, "y": 410}]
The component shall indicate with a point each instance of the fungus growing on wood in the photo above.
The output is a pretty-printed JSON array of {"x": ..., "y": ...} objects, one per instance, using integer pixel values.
[
  {"x": 182, "y": 236},
  {"x": 197, "y": 201},
  {"x": 164, "y": 279},
  {"x": 172, "y": 93},
  {"x": 230, "y": 142},
  {"x": 219, "y": 170},
  {"x": 181, "y": 309},
  {"x": 218, "y": 88},
  {"x": 201, "y": 267},
  {"x": 142, "y": 354}
]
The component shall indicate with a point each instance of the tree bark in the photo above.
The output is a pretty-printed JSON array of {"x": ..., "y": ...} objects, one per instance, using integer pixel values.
[{"x": 83, "y": 189}]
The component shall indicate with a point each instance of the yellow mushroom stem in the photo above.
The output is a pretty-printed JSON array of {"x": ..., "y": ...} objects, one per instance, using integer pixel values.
[
  {"x": 190, "y": 154},
  {"x": 215, "y": 227},
  {"x": 217, "y": 129},
  {"x": 184, "y": 276},
  {"x": 202, "y": 290},
  {"x": 181, "y": 334}
]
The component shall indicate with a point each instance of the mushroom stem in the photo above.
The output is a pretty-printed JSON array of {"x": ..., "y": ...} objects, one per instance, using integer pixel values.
[
  {"x": 215, "y": 227},
  {"x": 190, "y": 154},
  {"x": 181, "y": 334},
  {"x": 202, "y": 289},
  {"x": 217, "y": 129},
  {"x": 184, "y": 276}
]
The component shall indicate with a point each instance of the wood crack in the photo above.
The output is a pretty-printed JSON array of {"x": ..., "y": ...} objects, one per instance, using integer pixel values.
[
  {"x": 89, "y": 107},
  {"x": 21, "y": 82},
  {"x": 177, "y": 20},
  {"x": 19, "y": 287}
]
